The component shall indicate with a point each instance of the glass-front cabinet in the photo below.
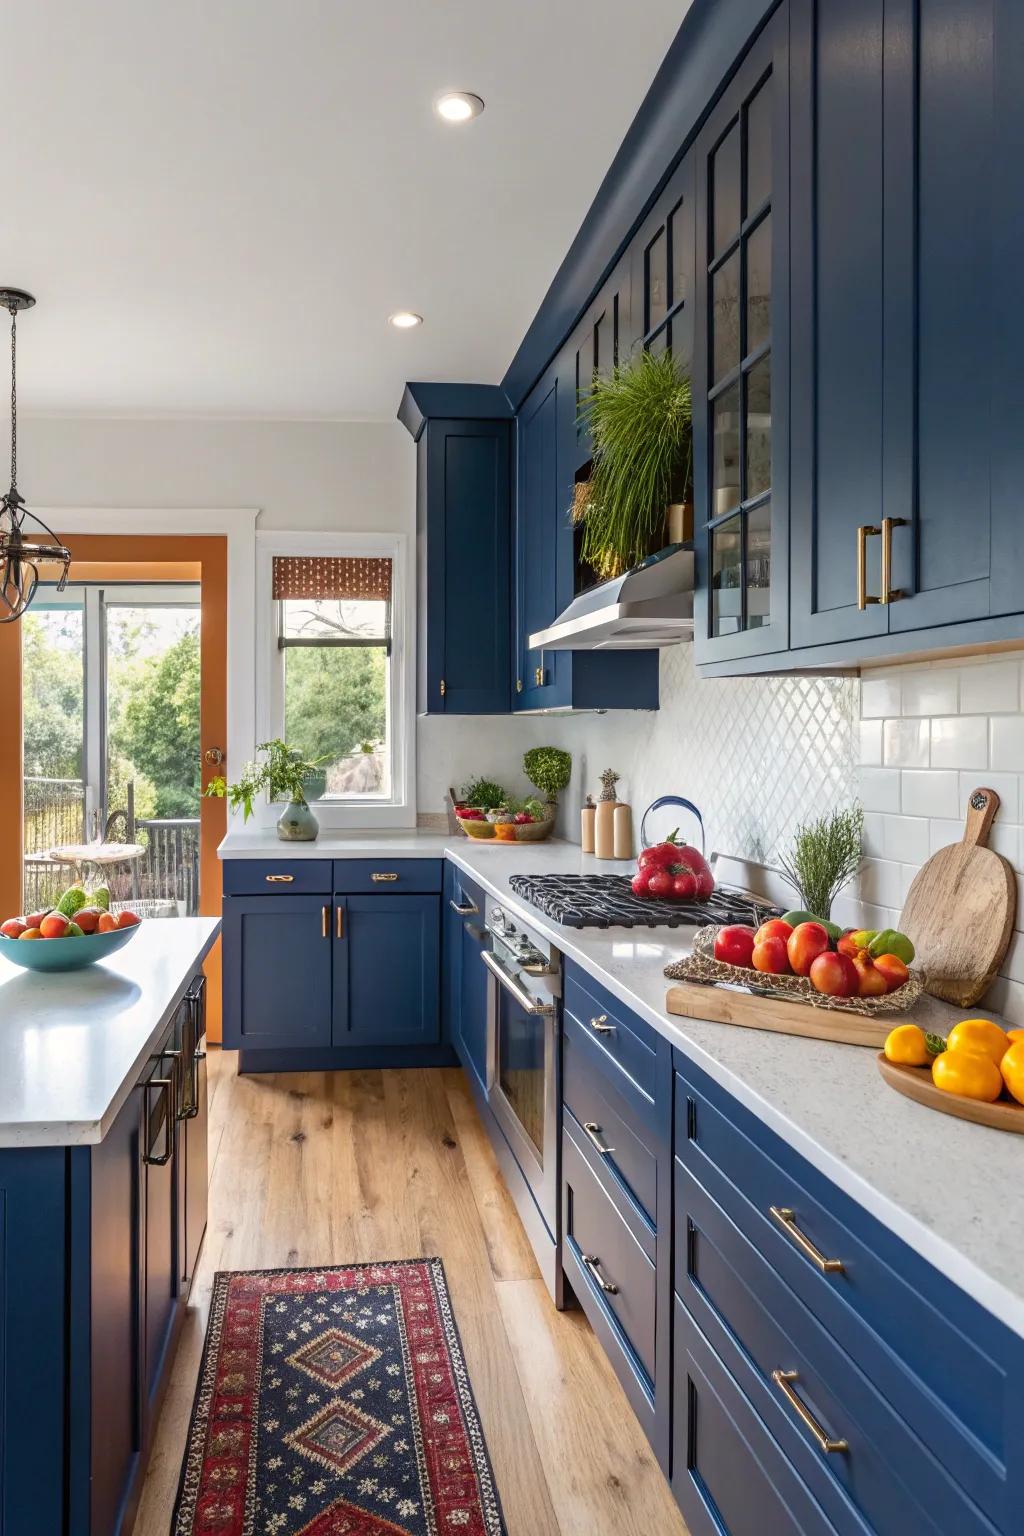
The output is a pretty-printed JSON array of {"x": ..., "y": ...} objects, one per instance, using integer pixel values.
[{"x": 740, "y": 362}]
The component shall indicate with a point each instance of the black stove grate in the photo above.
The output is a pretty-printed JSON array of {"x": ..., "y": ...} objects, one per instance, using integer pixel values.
[{"x": 606, "y": 901}]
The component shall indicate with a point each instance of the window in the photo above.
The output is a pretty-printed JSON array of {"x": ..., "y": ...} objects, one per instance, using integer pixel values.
[{"x": 334, "y": 625}]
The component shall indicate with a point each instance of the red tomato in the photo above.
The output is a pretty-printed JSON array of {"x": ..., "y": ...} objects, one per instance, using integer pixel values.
[
  {"x": 684, "y": 885},
  {"x": 735, "y": 944},
  {"x": 638, "y": 884},
  {"x": 659, "y": 883}
]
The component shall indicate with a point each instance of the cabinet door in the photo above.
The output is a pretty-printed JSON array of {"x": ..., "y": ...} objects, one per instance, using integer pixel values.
[
  {"x": 838, "y": 279},
  {"x": 277, "y": 971},
  {"x": 600, "y": 342},
  {"x": 541, "y": 512},
  {"x": 663, "y": 270},
  {"x": 160, "y": 1284},
  {"x": 386, "y": 970},
  {"x": 741, "y": 360},
  {"x": 468, "y": 568},
  {"x": 473, "y": 998}
]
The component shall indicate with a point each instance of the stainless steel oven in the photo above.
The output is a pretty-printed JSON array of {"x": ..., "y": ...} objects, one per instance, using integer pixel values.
[{"x": 523, "y": 1054}]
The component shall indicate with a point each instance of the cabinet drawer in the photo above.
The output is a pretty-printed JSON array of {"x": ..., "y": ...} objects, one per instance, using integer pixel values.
[
  {"x": 595, "y": 1230},
  {"x": 394, "y": 876},
  {"x": 728, "y": 1473},
  {"x": 625, "y": 1042},
  {"x": 943, "y": 1363},
  {"x": 607, "y": 1112},
  {"x": 753, "y": 1321},
  {"x": 276, "y": 877}
]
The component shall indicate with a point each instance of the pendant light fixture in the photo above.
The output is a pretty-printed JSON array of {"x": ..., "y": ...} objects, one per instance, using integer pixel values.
[{"x": 25, "y": 541}]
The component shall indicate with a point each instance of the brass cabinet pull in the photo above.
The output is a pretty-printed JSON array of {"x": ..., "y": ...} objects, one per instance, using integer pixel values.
[
  {"x": 593, "y": 1130},
  {"x": 377, "y": 876},
  {"x": 600, "y": 1025},
  {"x": 519, "y": 685},
  {"x": 538, "y": 677},
  {"x": 444, "y": 688},
  {"x": 593, "y": 1263},
  {"x": 339, "y": 922},
  {"x": 787, "y": 1221},
  {"x": 888, "y": 594},
  {"x": 279, "y": 879},
  {"x": 864, "y": 532},
  {"x": 782, "y": 1380},
  {"x": 466, "y": 911},
  {"x": 325, "y": 920}
]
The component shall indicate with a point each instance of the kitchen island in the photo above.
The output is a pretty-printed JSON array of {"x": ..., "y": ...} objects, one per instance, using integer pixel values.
[{"x": 103, "y": 1184}]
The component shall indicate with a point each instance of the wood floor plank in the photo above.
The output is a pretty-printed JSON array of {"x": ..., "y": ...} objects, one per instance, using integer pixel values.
[{"x": 319, "y": 1168}]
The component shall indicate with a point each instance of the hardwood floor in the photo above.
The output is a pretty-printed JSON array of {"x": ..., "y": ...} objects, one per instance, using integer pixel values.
[{"x": 321, "y": 1168}]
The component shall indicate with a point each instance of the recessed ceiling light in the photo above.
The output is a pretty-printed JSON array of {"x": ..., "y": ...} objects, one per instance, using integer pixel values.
[
  {"x": 404, "y": 319},
  {"x": 458, "y": 106}
]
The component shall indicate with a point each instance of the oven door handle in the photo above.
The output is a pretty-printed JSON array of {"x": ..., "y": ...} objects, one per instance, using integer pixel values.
[{"x": 527, "y": 1003}]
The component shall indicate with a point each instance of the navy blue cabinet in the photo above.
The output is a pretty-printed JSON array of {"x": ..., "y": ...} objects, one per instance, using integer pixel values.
[
  {"x": 277, "y": 971},
  {"x": 463, "y": 533},
  {"x": 387, "y": 954},
  {"x": 463, "y": 976}
]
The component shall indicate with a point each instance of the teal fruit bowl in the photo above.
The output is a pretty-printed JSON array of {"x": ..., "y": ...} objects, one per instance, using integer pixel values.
[{"x": 64, "y": 954}]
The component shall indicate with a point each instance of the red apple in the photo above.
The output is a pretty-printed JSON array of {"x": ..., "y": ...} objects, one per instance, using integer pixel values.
[
  {"x": 13, "y": 928},
  {"x": 88, "y": 918},
  {"x": 684, "y": 885},
  {"x": 805, "y": 944},
  {"x": 774, "y": 928},
  {"x": 770, "y": 955},
  {"x": 127, "y": 919},
  {"x": 659, "y": 883},
  {"x": 54, "y": 926},
  {"x": 833, "y": 974},
  {"x": 734, "y": 945},
  {"x": 870, "y": 980},
  {"x": 893, "y": 969}
]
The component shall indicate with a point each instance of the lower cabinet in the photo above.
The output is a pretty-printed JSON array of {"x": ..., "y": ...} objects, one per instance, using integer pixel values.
[
  {"x": 386, "y": 970},
  {"x": 471, "y": 1042}
]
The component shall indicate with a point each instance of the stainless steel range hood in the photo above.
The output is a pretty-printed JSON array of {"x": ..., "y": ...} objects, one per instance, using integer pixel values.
[{"x": 649, "y": 607}]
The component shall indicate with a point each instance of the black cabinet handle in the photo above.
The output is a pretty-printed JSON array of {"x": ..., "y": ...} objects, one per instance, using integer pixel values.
[{"x": 166, "y": 1087}]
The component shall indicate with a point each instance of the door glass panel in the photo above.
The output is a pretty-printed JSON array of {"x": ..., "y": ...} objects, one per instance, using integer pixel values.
[
  {"x": 680, "y": 255},
  {"x": 759, "y": 148},
  {"x": 521, "y": 1067},
  {"x": 726, "y": 569},
  {"x": 759, "y": 428},
  {"x": 725, "y": 451},
  {"x": 53, "y": 694},
  {"x": 725, "y": 317},
  {"x": 657, "y": 280},
  {"x": 758, "y": 565},
  {"x": 759, "y": 285},
  {"x": 725, "y": 190}
]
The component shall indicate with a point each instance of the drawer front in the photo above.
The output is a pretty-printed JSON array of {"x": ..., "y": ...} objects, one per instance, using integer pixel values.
[
  {"x": 276, "y": 877},
  {"x": 621, "y": 1136},
  {"x": 753, "y": 1321},
  {"x": 397, "y": 876},
  {"x": 728, "y": 1474},
  {"x": 594, "y": 1229},
  {"x": 625, "y": 1041},
  {"x": 943, "y": 1363}
]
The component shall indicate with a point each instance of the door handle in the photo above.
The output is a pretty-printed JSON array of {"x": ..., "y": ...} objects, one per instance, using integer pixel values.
[
  {"x": 213, "y": 755},
  {"x": 466, "y": 911},
  {"x": 325, "y": 921},
  {"x": 600, "y": 1025},
  {"x": 864, "y": 532},
  {"x": 593, "y": 1263},
  {"x": 339, "y": 922},
  {"x": 378, "y": 877},
  {"x": 889, "y": 595},
  {"x": 782, "y": 1380},
  {"x": 527, "y": 1003},
  {"x": 166, "y": 1087},
  {"x": 279, "y": 879}
]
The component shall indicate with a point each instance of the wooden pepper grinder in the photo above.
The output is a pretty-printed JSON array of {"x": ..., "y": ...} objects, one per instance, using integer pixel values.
[
  {"x": 588, "y": 814},
  {"x": 604, "y": 819}
]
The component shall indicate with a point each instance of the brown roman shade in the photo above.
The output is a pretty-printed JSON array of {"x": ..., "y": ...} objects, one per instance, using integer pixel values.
[{"x": 364, "y": 578}]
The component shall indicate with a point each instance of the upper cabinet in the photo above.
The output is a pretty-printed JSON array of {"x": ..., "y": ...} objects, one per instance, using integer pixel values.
[{"x": 740, "y": 371}]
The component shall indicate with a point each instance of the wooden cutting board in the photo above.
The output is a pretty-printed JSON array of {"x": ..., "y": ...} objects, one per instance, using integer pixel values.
[
  {"x": 959, "y": 911},
  {"x": 916, "y": 1083},
  {"x": 727, "y": 1005}
]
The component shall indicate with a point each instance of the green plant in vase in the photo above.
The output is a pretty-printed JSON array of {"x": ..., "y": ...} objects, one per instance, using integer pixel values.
[
  {"x": 641, "y": 423},
  {"x": 548, "y": 769},
  {"x": 283, "y": 774},
  {"x": 825, "y": 856}
]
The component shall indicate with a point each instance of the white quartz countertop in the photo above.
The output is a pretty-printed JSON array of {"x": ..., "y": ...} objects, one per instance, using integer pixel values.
[
  {"x": 941, "y": 1184},
  {"x": 72, "y": 1046},
  {"x": 263, "y": 843}
]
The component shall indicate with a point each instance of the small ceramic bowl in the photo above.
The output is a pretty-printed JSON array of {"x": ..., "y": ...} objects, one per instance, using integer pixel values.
[{"x": 65, "y": 954}]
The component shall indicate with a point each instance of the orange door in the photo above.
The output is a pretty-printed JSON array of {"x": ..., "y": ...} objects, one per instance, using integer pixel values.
[{"x": 131, "y": 557}]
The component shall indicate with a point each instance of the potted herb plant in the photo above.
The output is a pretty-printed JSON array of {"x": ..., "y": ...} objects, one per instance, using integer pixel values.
[
  {"x": 548, "y": 769},
  {"x": 641, "y": 422},
  {"x": 284, "y": 772},
  {"x": 825, "y": 856}
]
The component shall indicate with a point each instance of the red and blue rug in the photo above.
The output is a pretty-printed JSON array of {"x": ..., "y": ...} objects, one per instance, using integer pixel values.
[{"x": 335, "y": 1402}]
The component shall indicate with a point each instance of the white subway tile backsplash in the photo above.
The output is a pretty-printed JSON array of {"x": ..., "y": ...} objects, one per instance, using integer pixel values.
[
  {"x": 928, "y": 792},
  {"x": 906, "y": 838},
  {"x": 880, "y": 881},
  {"x": 991, "y": 689},
  {"x": 944, "y": 832},
  {"x": 1004, "y": 839},
  {"x": 1006, "y": 997},
  {"x": 960, "y": 742},
  {"x": 879, "y": 789},
  {"x": 870, "y": 744},
  {"x": 905, "y": 743},
  {"x": 880, "y": 696},
  {"x": 873, "y": 840},
  {"x": 1007, "y": 733},
  {"x": 929, "y": 693},
  {"x": 1006, "y": 786}
]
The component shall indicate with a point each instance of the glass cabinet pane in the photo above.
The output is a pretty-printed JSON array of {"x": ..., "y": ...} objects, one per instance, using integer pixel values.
[
  {"x": 657, "y": 280},
  {"x": 725, "y": 318},
  {"x": 602, "y": 354},
  {"x": 759, "y": 565},
  {"x": 725, "y": 452},
  {"x": 725, "y": 191},
  {"x": 758, "y": 254},
  {"x": 726, "y": 572},
  {"x": 759, "y": 149},
  {"x": 758, "y": 428},
  {"x": 680, "y": 257}
]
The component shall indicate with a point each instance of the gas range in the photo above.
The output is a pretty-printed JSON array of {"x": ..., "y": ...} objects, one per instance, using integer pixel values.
[{"x": 606, "y": 901}]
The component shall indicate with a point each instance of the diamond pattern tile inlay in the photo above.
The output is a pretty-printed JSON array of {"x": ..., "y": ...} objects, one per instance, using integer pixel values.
[
  {"x": 338, "y": 1436},
  {"x": 332, "y": 1357}
]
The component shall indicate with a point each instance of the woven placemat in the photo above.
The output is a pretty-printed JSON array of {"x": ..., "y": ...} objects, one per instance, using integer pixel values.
[{"x": 701, "y": 966}]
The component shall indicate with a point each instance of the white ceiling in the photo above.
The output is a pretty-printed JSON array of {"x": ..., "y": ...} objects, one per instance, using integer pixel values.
[{"x": 217, "y": 203}]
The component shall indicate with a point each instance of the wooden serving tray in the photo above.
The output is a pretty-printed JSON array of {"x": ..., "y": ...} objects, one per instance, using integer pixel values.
[
  {"x": 916, "y": 1083},
  {"x": 733, "y": 1005}
]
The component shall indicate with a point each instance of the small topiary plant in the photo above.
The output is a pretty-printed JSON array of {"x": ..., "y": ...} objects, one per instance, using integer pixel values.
[{"x": 548, "y": 769}]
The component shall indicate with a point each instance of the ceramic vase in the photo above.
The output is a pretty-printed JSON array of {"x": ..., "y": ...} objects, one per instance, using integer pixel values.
[{"x": 297, "y": 824}]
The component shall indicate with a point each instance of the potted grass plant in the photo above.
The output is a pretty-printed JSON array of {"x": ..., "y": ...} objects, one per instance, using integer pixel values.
[{"x": 641, "y": 423}]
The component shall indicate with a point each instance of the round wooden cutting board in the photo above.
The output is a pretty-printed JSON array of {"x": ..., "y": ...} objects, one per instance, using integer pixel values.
[
  {"x": 916, "y": 1083},
  {"x": 960, "y": 908}
]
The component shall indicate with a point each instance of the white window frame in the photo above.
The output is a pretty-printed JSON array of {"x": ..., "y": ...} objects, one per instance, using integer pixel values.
[{"x": 398, "y": 810}]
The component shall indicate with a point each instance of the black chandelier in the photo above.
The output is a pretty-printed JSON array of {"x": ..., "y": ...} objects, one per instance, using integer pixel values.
[{"x": 22, "y": 550}]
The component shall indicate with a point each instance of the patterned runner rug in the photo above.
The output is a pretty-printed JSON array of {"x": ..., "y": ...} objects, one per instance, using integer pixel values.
[{"x": 335, "y": 1402}]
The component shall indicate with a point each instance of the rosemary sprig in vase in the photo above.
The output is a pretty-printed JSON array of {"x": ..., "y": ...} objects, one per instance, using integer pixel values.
[{"x": 825, "y": 856}]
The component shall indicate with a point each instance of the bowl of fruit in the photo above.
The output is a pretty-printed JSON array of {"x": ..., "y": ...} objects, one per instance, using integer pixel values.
[
  {"x": 77, "y": 932},
  {"x": 512, "y": 821}
]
